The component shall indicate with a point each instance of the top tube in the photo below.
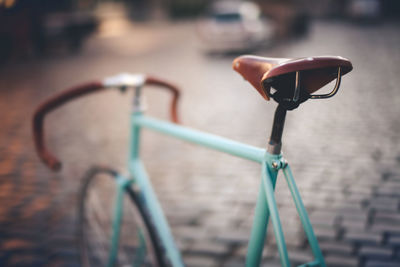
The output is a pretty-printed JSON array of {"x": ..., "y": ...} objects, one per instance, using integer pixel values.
[{"x": 204, "y": 139}]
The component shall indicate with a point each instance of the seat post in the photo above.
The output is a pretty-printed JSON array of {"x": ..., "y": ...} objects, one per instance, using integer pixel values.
[{"x": 275, "y": 143}]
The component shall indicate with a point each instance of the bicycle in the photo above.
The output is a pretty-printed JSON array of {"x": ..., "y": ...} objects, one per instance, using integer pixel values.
[{"x": 148, "y": 240}]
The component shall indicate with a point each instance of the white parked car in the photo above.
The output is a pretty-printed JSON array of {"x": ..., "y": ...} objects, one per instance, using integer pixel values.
[
  {"x": 234, "y": 26},
  {"x": 365, "y": 9}
]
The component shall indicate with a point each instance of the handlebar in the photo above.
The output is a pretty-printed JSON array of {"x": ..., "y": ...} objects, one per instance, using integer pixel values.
[
  {"x": 175, "y": 97},
  {"x": 123, "y": 80}
]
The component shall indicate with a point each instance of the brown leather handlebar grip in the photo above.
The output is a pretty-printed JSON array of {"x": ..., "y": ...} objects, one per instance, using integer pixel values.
[
  {"x": 58, "y": 100},
  {"x": 50, "y": 104},
  {"x": 173, "y": 89}
]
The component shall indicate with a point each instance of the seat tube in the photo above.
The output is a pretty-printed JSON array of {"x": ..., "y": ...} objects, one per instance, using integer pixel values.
[
  {"x": 266, "y": 203},
  {"x": 260, "y": 223},
  {"x": 273, "y": 209}
]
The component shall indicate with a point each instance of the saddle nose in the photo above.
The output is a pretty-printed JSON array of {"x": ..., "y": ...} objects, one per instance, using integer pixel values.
[{"x": 253, "y": 68}]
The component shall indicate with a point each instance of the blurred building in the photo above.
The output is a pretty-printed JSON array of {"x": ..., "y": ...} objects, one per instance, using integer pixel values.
[
  {"x": 30, "y": 27},
  {"x": 339, "y": 8}
]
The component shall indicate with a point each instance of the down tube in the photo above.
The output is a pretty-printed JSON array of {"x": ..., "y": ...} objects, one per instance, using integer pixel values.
[
  {"x": 150, "y": 199},
  {"x": 122, "y": 182}
]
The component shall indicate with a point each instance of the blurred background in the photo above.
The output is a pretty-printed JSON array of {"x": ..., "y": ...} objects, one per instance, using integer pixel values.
[{"x": 344, "y": 152}]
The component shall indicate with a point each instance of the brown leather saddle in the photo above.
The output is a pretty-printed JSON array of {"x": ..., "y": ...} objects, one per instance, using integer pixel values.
[{"x": 295, "y": 80}]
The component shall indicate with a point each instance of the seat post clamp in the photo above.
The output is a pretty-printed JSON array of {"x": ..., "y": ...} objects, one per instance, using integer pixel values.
[{"x": 274, "y": 149}]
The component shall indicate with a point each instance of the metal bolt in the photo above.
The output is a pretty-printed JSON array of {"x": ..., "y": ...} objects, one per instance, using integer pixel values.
[
  {"x": 284, "y": 163},
  {"x": 275, "y": 165}
]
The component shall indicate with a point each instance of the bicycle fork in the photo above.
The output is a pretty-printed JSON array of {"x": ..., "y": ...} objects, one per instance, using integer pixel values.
[{"x": 266, "y": 207}]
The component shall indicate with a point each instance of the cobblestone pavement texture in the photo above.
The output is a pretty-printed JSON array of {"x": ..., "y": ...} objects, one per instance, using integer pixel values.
[{"x": 344, "y": 152}]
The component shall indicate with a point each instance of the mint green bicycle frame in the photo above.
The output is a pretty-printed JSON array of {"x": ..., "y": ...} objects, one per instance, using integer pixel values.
[{"x": 266, "y": 204}]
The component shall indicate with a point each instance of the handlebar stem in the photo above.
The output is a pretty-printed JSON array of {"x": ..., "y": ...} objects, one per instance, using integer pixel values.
[
  {"x": 138, "y": 105},
  {"x": 125, "y": 80}
]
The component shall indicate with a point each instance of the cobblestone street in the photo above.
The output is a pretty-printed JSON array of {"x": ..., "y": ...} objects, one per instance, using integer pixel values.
[{"x": 344, "y": 152}]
